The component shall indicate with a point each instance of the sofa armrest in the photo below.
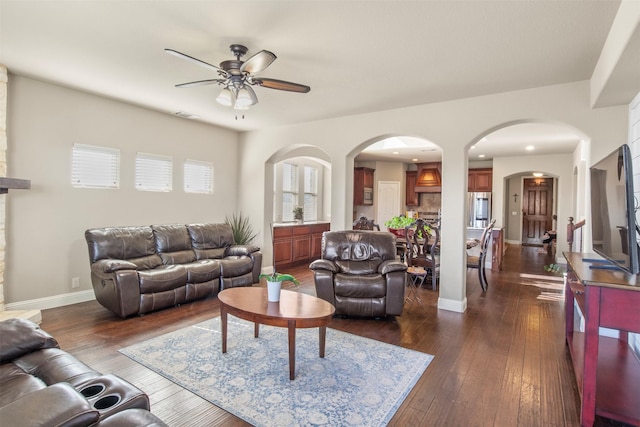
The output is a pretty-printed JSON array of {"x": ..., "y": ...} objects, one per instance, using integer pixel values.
[
  {"x": 386, "y": 267},
  {"x": 240, "y": 250},
  {"x": 20, "y": 336},
  {"x": 56, "y": 405},
  {"x": 106, "y": 266},
  {"x": 324, "y": 264}
]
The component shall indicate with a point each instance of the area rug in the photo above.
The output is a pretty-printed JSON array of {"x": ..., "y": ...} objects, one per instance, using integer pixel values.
[{"x": 359, "y": 382}]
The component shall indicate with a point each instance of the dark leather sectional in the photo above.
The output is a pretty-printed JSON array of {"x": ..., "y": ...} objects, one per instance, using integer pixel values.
[
  {"x": 42, "y": 385},
  {"x": 136, "y": 270}
]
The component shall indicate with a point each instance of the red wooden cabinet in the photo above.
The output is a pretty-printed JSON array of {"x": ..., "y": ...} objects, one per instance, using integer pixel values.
[{"x": 607, "y": 372}]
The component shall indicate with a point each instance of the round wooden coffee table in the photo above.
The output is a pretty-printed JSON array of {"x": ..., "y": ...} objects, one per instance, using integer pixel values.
[{"x": 295, "y": 310}]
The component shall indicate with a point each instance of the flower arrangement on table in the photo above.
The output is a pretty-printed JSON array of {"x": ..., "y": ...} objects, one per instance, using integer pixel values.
[{"x": 397, "y": 224}]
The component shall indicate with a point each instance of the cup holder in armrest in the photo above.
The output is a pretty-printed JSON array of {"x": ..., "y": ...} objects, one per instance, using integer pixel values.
[
  {"x": 106, "y": 402},
  {"x": 92, "y": 390}
]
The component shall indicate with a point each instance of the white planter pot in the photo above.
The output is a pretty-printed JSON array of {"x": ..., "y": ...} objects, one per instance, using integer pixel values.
[{"x": 273, "y": 291}]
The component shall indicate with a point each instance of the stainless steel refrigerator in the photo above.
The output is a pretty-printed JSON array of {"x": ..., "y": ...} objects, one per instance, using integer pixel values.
[{"x": 479, "y": 205}]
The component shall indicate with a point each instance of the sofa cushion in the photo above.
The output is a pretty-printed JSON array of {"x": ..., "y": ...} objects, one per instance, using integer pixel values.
[
  {"x": 236, "y": 266},
  {"x": 120, "y": 242},
  {"x": 202, "y": 271},
  {"x": 163, "y": 278},
  {"x": 210, "y": 240},
  {"x": 359, "y": 267},
  {"x": 358, "y": 245},
  {"x": 53, "y": 365},
  {"x": 367, "y": 286},
  {"x": 21, "y": 336},
  {"x": 15, "y": 383},
  {"x": 173, "y": 244}
]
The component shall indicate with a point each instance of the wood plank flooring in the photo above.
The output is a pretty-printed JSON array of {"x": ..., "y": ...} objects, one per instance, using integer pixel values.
[{"x": 501, "y": 363}]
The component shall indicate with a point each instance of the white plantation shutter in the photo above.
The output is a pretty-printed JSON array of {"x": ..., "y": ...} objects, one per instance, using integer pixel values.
[
  {"x": 154, "y": 172},
  {"x": 289, "y": 190},
  {"x": 95, "y": 167},
  {"x": 310, "y": 193},
  {"x": 198, "y": 177}
]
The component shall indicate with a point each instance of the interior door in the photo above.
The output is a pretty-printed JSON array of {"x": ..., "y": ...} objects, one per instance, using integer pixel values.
[
  {"x": 388, "y": 201},
  {"x": 537, "y": 209}
]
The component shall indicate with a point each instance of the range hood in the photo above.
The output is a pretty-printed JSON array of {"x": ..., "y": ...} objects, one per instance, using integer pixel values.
[
  {"x": 429, "y": 178},
  {"x": 7, "y": 184}
]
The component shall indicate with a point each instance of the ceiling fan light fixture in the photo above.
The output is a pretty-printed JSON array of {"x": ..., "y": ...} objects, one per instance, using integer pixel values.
[
  {"x": 243, "y": 98},
  {"x": 226, "y": 97}
]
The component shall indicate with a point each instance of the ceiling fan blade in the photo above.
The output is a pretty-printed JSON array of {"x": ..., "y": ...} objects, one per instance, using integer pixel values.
[
  {"x": 196, "y": 60},
  {"x": 258, "y": 62},
  {"x": 202, "y": 82},
  {"x": 282, "y": 85}
]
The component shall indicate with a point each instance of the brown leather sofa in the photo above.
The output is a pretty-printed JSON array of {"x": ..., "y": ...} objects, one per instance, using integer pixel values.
[
  {"x": 358, "y": 273},
  {"x": 136, "y": 270},
  {"x": 42, "y": 385}
]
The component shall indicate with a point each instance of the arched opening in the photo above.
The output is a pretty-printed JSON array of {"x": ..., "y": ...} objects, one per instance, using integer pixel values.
[
  {"x": 390, "y": 166},
  {"x": 532, "y": 166}
]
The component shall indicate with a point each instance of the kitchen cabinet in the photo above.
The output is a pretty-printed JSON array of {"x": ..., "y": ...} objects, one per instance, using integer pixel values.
[
  {"x": 606, "y": 370},
  {"x": 480, "y": 180},
  {"x": 411, "y": 197},
  {"x": 363, "y": 186},
  {"x": 297, "y": 243}
]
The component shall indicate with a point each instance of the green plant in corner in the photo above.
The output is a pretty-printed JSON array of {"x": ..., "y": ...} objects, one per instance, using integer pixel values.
[
  {"x": 279, "y": 277},
  {"x": 241, "y": 228}
]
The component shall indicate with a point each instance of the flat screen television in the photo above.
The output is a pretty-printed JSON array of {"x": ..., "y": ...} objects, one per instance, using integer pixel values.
[{"x": 613, "y": 219}]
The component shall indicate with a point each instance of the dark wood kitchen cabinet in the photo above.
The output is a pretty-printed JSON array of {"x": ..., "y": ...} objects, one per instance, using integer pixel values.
[
  {"x": 363, "y": 186},
  {"x": 297, "y": 244},
  {"x": 480, "y": 179},
  {"x": 411, "y": 197}
]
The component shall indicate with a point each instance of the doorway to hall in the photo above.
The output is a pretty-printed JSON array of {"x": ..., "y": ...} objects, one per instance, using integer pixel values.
[{"x": 537, "y": 210}]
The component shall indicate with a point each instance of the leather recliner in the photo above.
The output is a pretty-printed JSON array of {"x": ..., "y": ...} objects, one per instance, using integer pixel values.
[{"x": 358, "y": 273}]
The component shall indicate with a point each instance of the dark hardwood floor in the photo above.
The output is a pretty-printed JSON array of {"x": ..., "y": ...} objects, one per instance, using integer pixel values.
[{"x": 501, "y": 363}]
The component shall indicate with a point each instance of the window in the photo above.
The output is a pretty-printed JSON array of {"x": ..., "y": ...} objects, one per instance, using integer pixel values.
[
  {"x": 310, "y": 193},
  {"x": 95, "y": 167},
  {"x": 198, "y": 177},
  {"x": 289, "y": 190},
  {"x": 154, "y": 172},
  {"x": 298, "y": 181}
]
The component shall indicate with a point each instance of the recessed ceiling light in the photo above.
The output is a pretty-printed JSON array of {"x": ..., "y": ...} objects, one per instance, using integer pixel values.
[
  {"x": 538, "y": 174},
  {"x": 530, "y": 148},
  {"x": 473, "y": 147},
  {"x": 414, "y": 160},
  {"x": 480, "y": 155},
  {"x": 396, "y": 152}
]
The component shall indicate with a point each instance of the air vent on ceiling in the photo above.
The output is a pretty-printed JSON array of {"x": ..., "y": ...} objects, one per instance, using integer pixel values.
[{"x": 185, "y": 115}]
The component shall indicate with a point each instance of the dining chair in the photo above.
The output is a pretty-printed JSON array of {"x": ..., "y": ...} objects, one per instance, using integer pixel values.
[
  {"x": 479, "y": 261},
  {"x": 423, "y": 249},
  {"x": 365, "y": 224}
]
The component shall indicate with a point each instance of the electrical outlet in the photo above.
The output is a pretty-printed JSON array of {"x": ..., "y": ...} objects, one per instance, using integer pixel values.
[{"x": 75, "y": 282}]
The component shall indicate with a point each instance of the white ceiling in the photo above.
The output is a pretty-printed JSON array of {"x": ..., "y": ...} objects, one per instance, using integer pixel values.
[{"x": 357, "y": 56}]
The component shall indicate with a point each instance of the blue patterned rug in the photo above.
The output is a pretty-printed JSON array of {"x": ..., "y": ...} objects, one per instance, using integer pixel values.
[{"x": 360, "y": 382}]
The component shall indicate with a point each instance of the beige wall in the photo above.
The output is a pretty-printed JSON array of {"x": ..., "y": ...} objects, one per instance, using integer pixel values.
[
  {"x": 454, "y": 126},
  {"x": 45, "y": 232}
]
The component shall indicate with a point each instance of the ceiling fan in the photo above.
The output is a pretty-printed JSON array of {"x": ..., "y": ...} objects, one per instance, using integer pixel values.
[{"x": 237, "y": 77}]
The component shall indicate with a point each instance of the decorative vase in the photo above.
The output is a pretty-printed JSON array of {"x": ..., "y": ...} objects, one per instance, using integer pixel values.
[{"x": 273, "y": 291}]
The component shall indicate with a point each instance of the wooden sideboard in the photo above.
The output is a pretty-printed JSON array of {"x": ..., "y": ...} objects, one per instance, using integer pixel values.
[
  {"x": 606, "y": 369},
  {"x": 297, "y": 243}
]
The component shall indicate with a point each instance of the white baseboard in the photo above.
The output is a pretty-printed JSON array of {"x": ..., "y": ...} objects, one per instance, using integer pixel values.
[
  {"x": 53, "y": 301},
  {"x": 512, "y": 242},
  {"x": 452, "y": 305}
]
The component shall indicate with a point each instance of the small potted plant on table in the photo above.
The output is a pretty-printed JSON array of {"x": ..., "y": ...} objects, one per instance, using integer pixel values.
[{"x": 274, "y": 284}]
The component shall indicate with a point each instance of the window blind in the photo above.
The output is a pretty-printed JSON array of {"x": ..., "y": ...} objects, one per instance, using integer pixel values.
[
  {"x": 154, "y": 172},
  {"x": 95, "y": 167},
  {"x": 198, "y": 177},
  {"x": 310, "y": 193}
]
